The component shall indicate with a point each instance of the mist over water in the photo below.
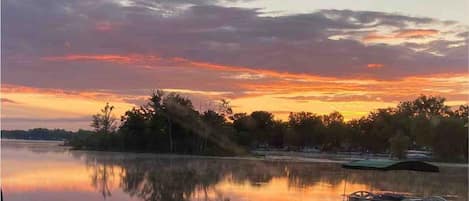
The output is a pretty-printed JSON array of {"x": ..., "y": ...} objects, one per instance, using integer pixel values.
[{"x": 45, "y": 171}]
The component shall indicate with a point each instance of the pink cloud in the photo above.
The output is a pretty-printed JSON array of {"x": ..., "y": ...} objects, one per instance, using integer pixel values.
[
  {"x": 401, "y": 34},
  {"x": 375, "y": 65},
  {"x": 103, "y": 26}
]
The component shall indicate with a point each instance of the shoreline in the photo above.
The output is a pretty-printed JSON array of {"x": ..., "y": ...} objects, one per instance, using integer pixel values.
[{"x": 268, "y": 156}]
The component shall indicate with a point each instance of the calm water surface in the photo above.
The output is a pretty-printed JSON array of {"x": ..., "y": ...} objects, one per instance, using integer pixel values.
[{"x": 44, "y": 171}]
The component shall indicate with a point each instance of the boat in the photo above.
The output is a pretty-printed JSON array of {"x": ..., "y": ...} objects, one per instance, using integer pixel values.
[
  {"x": 368, "y": 196},
  {"x": 386, "y": 165},
  {"x": 389, "y": 165}
]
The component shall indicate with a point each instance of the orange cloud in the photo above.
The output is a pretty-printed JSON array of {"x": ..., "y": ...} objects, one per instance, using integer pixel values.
[
  {"x": 416, "y": 33},
  {"x": 7, "y": 101},
  {"x": 113, "y": 58},
  {"x": 40, "y": 103},
  {"x": 270, "y": 73},
  {"x": 18, "y": 89},
  {"x": 151, "y": 61},
  {"x": 375, "y": 37},
  {"x": 401, "y": 34},
  {"x": 375, "y": 65},
  {"x": 270, "y": 81},
  {"x": 272, "y": 90}
]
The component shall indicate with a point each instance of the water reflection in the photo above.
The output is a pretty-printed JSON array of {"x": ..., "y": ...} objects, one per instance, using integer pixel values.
[
  {"x": 146, "y": 177},
  {"x": 179, "y": 179}
]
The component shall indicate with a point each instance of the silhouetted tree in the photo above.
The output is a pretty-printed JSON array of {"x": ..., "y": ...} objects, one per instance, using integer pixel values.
[
  {"x": 462, "y": 113},
  {"x": 450, "y": 142},
  {"x": 306, "y": 128},
  {"x": 399, "y": 145},
  {"x": 426, "y": 106},
  {"x": 263, "y": 126},
  {"x": 104, "y": 122},
  {"x": 169, "y": 123}
]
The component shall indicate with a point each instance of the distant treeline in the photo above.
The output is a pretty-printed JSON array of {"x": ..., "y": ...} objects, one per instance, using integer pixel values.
[
  {"x": 168, "y": 123},
  {"x": 40, "y": 134}
]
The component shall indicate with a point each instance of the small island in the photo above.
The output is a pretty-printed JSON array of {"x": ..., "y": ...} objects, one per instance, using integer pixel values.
[{"x": 168, "y": 123}]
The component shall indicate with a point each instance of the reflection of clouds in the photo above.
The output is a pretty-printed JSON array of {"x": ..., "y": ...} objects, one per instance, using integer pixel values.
[
  {"x": 185, "y": 178},
  {"x": 131, "y": 176},
  {"x": 39, "y": 166}
]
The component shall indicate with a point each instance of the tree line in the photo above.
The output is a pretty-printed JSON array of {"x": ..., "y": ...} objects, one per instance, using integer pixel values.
[
  {"x": 168, "y": 123},
  {"x": 41, "y": 134}
]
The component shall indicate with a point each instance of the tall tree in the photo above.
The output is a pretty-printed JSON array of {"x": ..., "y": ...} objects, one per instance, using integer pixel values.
[
  {"x": 399, "y": 145},
  {"x": 133, "y": 128},
  {"x": 104, "y": 122},
  {"x": 224, "y": 109},
  {"x": 264, "y": 122},
  {"x": 333, "y": 117},
  {"x": 462, "y": 113},
  {"x": 334, "y": 131},
  {"x": 243, "y": 124},
  {"x": 425, "y": 106},
  {"x": 307, "y": 129},
  {"x": 450, "y": 142},
  {"x": 180, "y": 115}
]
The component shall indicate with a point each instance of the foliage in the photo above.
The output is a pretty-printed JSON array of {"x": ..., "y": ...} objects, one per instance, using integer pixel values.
[
  {"x": 37, "y": 134},
  {"x": 399, "y": 145},
  {"x": 169, "y": 123},
  {"x": 306, "y": 129},
  {"x": 104, "y": 122},
  {"x": 450, "y": 141}
]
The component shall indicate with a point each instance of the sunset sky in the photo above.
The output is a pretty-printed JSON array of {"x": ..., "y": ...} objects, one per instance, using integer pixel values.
[{"x": 63, "y": 60}]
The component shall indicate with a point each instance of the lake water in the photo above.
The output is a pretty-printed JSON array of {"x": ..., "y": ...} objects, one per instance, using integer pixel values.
[{"x": 44, "y": 171}]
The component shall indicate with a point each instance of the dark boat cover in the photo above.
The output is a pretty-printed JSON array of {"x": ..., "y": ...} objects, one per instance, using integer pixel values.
[{"x": 391, "y": 165}]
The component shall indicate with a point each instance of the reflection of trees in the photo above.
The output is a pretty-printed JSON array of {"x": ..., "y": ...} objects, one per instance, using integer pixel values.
[
  {"x": 102, "y": 176},
  {"x": 302, "y": 175},
  {"x": 160, "y": 183},
  {"x": 169, "y": 179},
  {"x": 41, "y": 147},
  {"x": 180, "y": 179},
  {"x": 101, "y": 179}
]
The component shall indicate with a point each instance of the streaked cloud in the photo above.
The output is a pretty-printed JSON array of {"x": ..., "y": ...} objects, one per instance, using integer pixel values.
[
  {"x": 416, "y": 33},
  {"x": 374, "y": 65},
  {"x": 401, "y": 35},
  {"x": 8, "y": 101},
  {"x": 76, "y": 55}
]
